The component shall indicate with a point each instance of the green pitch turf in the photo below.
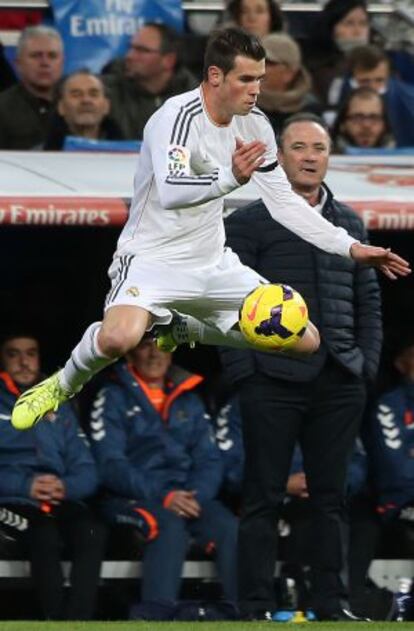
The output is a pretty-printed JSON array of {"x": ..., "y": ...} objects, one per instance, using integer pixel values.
[{"x": 201, "y": 626}]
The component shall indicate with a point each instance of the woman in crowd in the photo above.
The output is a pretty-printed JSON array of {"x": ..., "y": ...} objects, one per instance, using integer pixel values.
[
  {"x": 341, "y": 27},
  {"x": 258, "y": 17}
]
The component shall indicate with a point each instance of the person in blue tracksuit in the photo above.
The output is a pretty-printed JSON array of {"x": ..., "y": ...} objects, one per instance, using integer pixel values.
[
  {"x": 46, "y": 475},
  {"x": 227, "y": 424},
  {"x": 390, "y": 441},
  {"x": 161, "y": 468}
]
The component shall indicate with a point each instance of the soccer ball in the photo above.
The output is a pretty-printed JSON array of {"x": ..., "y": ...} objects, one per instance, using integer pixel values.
[{"x": 273, "y": 316}]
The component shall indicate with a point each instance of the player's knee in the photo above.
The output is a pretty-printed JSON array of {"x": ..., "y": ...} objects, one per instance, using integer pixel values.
[{"x": 115, "y": 342}]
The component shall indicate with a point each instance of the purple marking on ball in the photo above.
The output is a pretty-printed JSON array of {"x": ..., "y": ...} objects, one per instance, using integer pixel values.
[
  {"x": 273, "y": 325},
  {"x": 287, "y": 292}
]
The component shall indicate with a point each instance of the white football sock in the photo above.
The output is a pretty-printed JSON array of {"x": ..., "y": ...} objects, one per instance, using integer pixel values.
[
  {"x": 85, "y": 361},
  {"x": 205, "y": 334}
]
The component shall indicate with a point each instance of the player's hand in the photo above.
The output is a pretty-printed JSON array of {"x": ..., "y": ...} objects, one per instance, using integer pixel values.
[
  {"x": 58, "y": 491},
  {"x": 388, "y": 262},
  {"x": 247, "y": 157},
  {"x": 43, "y": 486},
  {"x": 184, "y": 504}
]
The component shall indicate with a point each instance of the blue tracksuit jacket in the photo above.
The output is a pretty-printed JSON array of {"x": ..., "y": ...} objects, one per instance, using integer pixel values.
[
  {"x": 143, "y": 455},
  {"x": 57, "y": 447},
  {"x": 390, "y": 443}
]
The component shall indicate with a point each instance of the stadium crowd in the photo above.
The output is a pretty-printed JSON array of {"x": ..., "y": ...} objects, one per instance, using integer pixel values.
[
  {"x": 342, "y": 53},
  {"x": 157, "y": 459}
]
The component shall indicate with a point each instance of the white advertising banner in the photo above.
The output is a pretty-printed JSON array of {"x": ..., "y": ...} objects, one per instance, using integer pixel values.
[{"x": 94, "y": 189}]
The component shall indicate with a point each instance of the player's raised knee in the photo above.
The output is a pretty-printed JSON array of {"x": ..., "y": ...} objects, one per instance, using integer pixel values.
[{"x": 116, "y": 342}]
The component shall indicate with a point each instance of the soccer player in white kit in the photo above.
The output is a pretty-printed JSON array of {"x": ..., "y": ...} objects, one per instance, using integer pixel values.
[{"x": 197, "y": 147}]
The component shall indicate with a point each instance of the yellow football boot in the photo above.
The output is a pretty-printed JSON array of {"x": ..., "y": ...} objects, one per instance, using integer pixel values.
[{"x": 36, "y": 402}]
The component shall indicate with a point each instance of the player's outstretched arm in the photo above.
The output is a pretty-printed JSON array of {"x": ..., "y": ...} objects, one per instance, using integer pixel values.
[{"x": 388, "y": 262}]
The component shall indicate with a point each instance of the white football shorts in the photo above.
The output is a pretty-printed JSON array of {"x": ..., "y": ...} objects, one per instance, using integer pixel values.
[{"x": 212, "y": 294}]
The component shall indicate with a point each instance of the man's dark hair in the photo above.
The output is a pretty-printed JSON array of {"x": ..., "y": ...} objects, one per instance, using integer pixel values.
[
  {"x": 234, "y": 9},
  {"x": 170, "y": 39},
  {"x": 301, "y": 117},
  {"x": 366, "y": 58},
  {"x": 224, "y": 45},
  {"x": 14, "y": 335}
]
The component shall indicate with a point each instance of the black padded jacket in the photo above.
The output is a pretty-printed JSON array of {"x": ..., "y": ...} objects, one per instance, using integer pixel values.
[{"x": 343, "y": 297}]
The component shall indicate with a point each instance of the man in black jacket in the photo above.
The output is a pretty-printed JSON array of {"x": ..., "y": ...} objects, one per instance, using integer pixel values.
[
  {"x": 317, "y": 399},
  {"x": 26, "y": 107}
]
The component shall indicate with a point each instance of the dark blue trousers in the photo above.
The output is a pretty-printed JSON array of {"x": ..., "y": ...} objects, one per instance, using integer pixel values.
[{"x": 163, "y": 557}]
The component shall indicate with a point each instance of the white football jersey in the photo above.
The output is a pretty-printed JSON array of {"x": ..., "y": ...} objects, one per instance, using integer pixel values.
[{"x": 185, "y": 169}]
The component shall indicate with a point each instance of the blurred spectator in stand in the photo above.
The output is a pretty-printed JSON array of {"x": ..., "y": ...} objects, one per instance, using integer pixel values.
[
  {"x": 45, "y": 477},
  {"x": 82, "y": 111},
  {"x": 390, "y": 441},
  {"x": 362, "y": 123},
  {"x": 369, "y": 66},
  {"x": 318, "y": 399},
  {"x": 162, "y": 471},
  {"x": 286, "y": 86},
  {"x": 258, "y": 17},
  {"x": 342, "y": 25},
  {"x": 25, "y": 108},
  {"x": 150, "y": 73},
  {"x": 7, "y": 76}
]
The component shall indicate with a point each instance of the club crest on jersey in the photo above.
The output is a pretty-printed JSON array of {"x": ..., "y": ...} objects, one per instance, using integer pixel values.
[
  {"x": 178, "y": 160},
  {"x": 133, "y": 291}
]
